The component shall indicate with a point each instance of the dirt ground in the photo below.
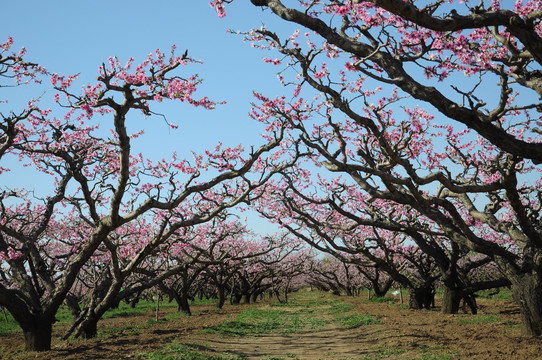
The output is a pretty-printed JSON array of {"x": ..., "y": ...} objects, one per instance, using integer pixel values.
[{"x": 399, "y": 334}]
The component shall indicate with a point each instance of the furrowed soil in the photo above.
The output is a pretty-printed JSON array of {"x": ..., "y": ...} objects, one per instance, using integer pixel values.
[{"x": 313, "y": 325}]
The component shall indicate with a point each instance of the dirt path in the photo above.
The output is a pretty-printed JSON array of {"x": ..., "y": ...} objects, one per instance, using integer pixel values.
[
  {"x": 325, "y": 343},
  {"x": 399, "y": 334}
]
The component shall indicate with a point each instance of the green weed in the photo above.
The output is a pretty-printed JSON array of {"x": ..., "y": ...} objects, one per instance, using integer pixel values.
[
  {"x": 503, "y": 294},
  {"x": 385, "y": 353},
  {"x": 120, "y": 331},
  {"x": 383, "y": 299},
  {"x": 478, "y": 319},
  {"x": 252, "y": 321},
  {"x": 185, "y": 352},
  {"x": 434, "y": 352},
  {"x": 356, "y": 320},
  {"x": 8, "y": 327},
  {"x": 339, "y": 307},
  {"x": 175, "y": 315},
  {"x": 203, "y": 301},
  {"x": 125, "y": 310}
]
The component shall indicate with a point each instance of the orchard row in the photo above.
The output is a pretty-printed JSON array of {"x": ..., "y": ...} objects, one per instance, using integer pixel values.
[{"x": 406, "y": 146}]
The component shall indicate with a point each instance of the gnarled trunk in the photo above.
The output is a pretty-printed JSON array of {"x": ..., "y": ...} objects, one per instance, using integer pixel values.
[
  {"x": 221, "y": 293},
  {"x": 73, "y": 305},
  {"x": 184, "y": 305},
  {"x": 38, "y": 336},
  {"x": 90, "y": 328},
  {"x": 527, "y": 292},
  {"x": 526, "y": 285},
  {"x": 246, "y": 298},
  {"x": 451, "y": 300},
  {"x": 421, "y": 297}
]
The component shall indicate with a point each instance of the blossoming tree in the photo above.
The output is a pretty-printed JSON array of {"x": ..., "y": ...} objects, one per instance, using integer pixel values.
[
  {"x": 101, "y": 187},
  {"x": 404, "y": 114}
]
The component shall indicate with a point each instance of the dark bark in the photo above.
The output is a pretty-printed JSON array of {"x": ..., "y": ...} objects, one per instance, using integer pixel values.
[
  {"x": 184, "y": 305},
  {"x": 38, "y": 336},
  {"x": 221, "y": 293},
  {"x": 236, "y": 298},
  {"x": 526, "y": 291},
  {"x": 380, "y": 289},
  {"x": 246, "y": 298},
  {"x": 421, "y": 297},
  {"x": 73, "y": 305},
  {"x": 90, "y": 330},
  {"x": 451, "y": 300}
]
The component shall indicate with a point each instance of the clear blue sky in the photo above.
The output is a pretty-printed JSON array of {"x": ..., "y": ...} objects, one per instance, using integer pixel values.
[{"x": 70, "y": 37}]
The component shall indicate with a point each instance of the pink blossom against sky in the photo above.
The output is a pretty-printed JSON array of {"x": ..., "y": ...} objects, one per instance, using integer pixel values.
[
  {"x": 76, "y": 37},
  {"x": 70, "y": 37}
]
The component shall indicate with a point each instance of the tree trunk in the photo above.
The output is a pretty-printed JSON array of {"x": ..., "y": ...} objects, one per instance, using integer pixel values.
[
  {"x": 221, "y": 297},
  {"x": 470, "y": 301},
  {"x": 90, "y": 328},
  {"x": 246, "y": 298},
  {"x": 236, "y": 299},
  {"x": 527, "y": 292},
  {"x": 184, "y": 305},
  {"x": 450, "y": 300},
  {"x": 38, "y": 337},
  {"x": 421, "y": 297},
  {"x": 73, "y": 305}
]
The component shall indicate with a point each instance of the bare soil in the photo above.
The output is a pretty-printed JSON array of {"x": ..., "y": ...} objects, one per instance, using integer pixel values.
[{"x": 399, "y": 334}]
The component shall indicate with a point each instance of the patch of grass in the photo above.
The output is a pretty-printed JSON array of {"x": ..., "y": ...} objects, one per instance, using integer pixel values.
[
  {"x": 120, "y": 331},
  {"x": 316, "y": 322},
  {"x": 338, "y": 307},
  {"x": 177, "y": 351},
  {"x": 434, "y": 352},
  {"x": 63, "y": 315},
  {"x": 356, "y": 320},
  {"x": 252, "y": 321},
  {"x": 8, "y": 327},
  {"x": 503, "y": 294},
  {"x": 203, "y": 301},
  {"x": 292, "y": 317},
  {"x": 175, "y": 315},
  {"x": 315, "y": 302},
  {"x": 257, "y": 321},
  {"x": 385, "y": 353},
  {"x": 383, "y": 299},
  {"x": 125, "y": 310},
  {"x": 308, "y": 299},
  {"x": 307, "y": 310},
  {"x": 512, "y": 324},
  {"x": 478, "y": 319},
  {"x": 154, "y": 321}
]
